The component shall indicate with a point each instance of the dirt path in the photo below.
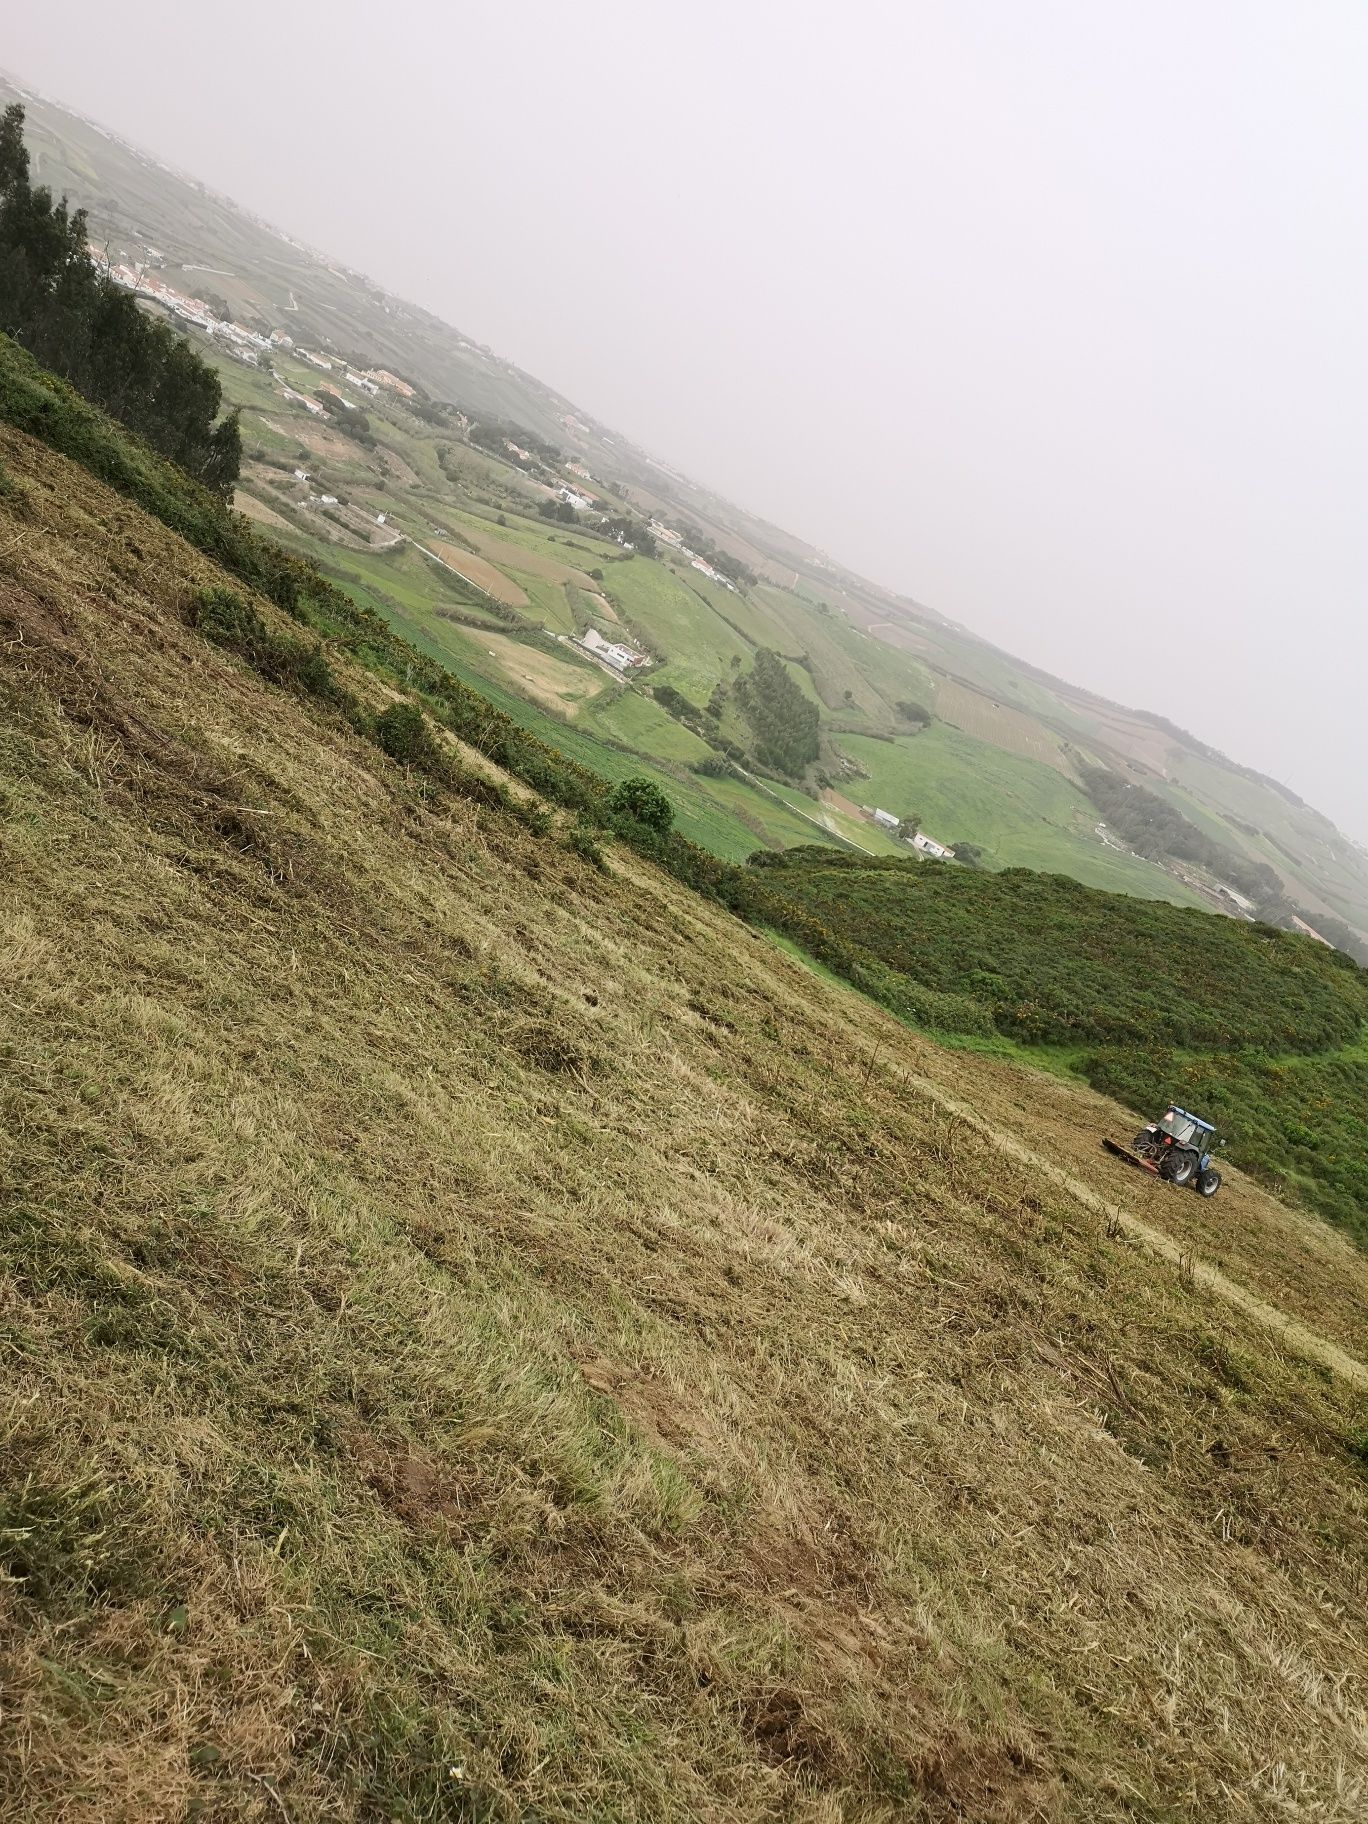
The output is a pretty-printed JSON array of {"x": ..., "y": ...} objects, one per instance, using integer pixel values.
[{"x": 1295, "y": 1336}]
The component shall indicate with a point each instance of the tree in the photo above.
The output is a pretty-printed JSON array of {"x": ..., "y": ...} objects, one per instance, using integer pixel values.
[
  {"x": 639, "y": 800},
  {"x": 72, "y": 318},
  {"x": 909, "y": 826},
  {"x": 967, "y": 852},
  {"x": 784, "y": 719}
]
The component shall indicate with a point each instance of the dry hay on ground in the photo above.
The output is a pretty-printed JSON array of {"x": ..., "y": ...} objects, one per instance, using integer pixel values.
[
  {"x": 397, "y": 469},
  {"x": 479, "y": 571},
  {"x": 840, "y": 803},
  {"x": 486, "y": 1337},
  {"x": 541, "y": 673},
  {"x": 310, "y": 435}
]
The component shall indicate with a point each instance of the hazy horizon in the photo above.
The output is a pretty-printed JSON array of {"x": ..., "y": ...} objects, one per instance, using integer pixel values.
[{"x": 1051, "y": 320}]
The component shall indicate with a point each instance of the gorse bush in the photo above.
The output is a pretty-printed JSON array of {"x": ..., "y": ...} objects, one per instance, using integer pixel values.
[
  {"x": 227, "y": 619},
  {"x": 641, "y": 801},
  {"x": 1061, "y": 963},
  {"x": 402, "y": 732}
]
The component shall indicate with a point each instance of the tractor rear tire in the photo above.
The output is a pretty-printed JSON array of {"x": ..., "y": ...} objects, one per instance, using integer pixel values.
[
  {"x": 1209, "y": 1182},
  {"x": 1181, "y": 1163}
]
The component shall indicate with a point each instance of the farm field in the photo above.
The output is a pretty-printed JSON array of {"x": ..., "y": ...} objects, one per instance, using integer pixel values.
[
  {"x": 562, "y": 684},
  {"x": 485, "y": 576},
  {"x": 633, "y": 719},
  {"x": 520, "y": 555},
  {"x": 1023, "y": 814},
  {"x": 998, "y": 725}
]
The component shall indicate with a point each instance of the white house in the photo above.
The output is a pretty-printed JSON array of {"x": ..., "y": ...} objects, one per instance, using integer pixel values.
[
  {"x": 929, "y": 846},
  {"x": 886, "y": 820},
  {"x": 573, "y": 498},
  {"x": 621, "y": 658}
]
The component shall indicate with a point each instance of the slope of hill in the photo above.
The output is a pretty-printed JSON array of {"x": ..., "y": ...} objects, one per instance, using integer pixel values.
[
  {"x": 488, "y": 1337},
  {"x": 1006, "y": 760},
  {"x": 1263, "y": 1031}
]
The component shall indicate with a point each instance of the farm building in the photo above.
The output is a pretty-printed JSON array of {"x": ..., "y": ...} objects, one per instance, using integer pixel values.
[{"x": 614, "y": 653}]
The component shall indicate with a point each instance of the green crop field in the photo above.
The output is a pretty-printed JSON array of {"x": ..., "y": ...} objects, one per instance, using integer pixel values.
[
  {"x": 1021, "y": 813},
  {"x": 634, "y": 719}
]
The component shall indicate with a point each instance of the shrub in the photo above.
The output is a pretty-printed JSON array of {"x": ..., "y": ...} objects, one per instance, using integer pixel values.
[
  {"x": 230, "y": 621},
  {"x": 402, "y": 732},
  {"x": 580, "y": 839},
  {"x": 641, "y": 801}
]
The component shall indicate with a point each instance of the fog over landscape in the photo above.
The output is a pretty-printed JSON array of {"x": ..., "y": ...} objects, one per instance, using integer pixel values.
[{"x": 1050, "y": 317}]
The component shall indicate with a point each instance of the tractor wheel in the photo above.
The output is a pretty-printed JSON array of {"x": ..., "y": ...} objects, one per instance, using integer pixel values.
[
  {"x": 1142, "y": 1140},
  {"x": 1182, "y": 1163},
  {"x": 1209, "y": 1183}
]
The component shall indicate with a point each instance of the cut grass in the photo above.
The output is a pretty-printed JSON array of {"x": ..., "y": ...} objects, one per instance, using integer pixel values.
[{"x": 485, "y": 1338}]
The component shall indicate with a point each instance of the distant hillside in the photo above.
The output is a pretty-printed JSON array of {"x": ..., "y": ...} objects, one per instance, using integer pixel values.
[
  {"x": 1004, "y": 763},
  {"x": 488, "y": 1337},
  {"x": 1260, "y": 1030}
]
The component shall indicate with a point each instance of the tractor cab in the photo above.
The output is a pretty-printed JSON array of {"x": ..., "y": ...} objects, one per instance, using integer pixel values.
[
  {"x": 1179, "y": 1128},
  {"x": 1179, "y": 1146}
]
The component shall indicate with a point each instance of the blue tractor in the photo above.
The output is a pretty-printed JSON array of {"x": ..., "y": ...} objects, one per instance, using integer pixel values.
[{"x": 1178, "y": 1147}]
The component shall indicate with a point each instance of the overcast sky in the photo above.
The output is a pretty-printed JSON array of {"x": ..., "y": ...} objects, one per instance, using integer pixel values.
[{"x": 1050, "y": 313}]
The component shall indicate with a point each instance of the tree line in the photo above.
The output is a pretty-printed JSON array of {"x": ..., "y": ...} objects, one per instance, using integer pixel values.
[
  {"x": 72, "y": 318},
  {"x": 1157, "y": 829}
]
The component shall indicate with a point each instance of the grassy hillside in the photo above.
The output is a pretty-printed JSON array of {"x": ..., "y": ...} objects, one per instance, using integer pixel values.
[
  {"x": 488, "y": 1338},
  {"x": 1260, "y": 1030}
]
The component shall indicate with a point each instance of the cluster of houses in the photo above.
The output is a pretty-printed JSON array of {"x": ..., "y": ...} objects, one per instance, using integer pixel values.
[
  {"x": 666, "y": 535},
  {"x": 926, "y": 845},
  {"x": 246, "y": 343},
  {"x": 613, "y": 653}
]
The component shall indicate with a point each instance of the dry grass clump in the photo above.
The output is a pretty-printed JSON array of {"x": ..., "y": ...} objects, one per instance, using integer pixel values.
[{"x": 497, "y": 1341}]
